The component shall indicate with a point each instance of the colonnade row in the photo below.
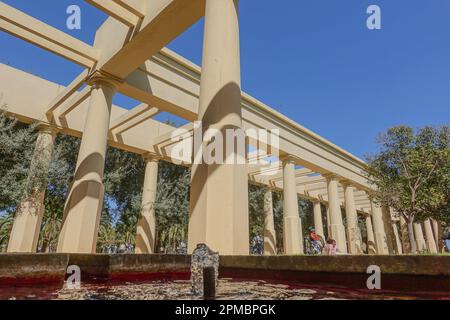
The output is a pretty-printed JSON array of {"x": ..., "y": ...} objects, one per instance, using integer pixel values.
[
  {"x": 85, "y": 201},
  {"x": 348, "y": 239},
  {"x": 25, "y": 232},
  {"x": 218, "y": 199}
]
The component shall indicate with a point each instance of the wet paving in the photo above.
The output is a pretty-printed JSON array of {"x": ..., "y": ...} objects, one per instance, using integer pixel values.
[{"x": 181, "y": 290}]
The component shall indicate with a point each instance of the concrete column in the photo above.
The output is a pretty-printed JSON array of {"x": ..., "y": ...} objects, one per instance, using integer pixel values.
[
  {"x": 431, "y": 244},
  {"x": 219, "y": 192},
  {"x": 435, "y": 226},
  {"x": 371, "y": 247},
  {"x": 328, "y": 223},
  {"x": 146, "y": 227},
  {"x": 360, "y": 241},
  {"x": 85, "y": 200},
  {"x": 270, "y": 238},
  {"x": 293, "y": 238},
  {"x": 420, "y": 240},
  {"x": 352, "y": 219},
  {"x": 397, "y": 239},
  {"x": 378, "y": 228},
  {"x": 389, "y": 230},
  {"x": 336, "y": 226},
  {"x": 404, "y": 235},
  {"x": 318, "y": 223},
  {"x": 27, "y": 220}
]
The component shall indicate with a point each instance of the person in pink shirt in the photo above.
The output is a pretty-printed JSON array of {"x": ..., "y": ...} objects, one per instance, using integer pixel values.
[{"x": 330, "y": 248}]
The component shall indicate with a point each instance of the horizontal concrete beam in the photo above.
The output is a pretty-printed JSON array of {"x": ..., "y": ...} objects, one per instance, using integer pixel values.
[
  {"x": 32, "y": 107},
  {"x": 66, "y": 93},
  {"x": 164, "y": 20},
  {"x": 76, "y": 99},
  {"x": 135, "y": 6},
  {"x": 47, "y": 37},
  {"x": 117, "y": 11},
  {"x": 171, "y": 83},
  {"x": 134, "y": 113}
]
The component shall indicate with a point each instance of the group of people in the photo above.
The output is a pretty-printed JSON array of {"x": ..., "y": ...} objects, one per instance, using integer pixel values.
[
  {"x": 320, "y": 246},
  {"x": 329, "y": 247}
]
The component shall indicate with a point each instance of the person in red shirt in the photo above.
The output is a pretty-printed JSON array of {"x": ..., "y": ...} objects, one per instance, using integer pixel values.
[{"x": 316, "y": 241}]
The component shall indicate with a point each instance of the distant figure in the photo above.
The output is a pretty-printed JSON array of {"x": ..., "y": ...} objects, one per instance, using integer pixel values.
[
  {"x": 446, "y": 241},
  {"x": 317, "y": 241},
  {"x": 330, "y": 248}
]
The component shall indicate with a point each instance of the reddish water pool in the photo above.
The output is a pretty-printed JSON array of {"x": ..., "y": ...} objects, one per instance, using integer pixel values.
[{"x": 228, "y": 289}]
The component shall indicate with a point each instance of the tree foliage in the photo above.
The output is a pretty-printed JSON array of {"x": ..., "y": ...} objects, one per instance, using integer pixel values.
[
  {"x": 123, "y": 180},
  {"x": 411, "y": 173}
]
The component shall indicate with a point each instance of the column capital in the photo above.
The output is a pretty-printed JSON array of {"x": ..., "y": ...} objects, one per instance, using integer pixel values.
[
  {"x": 151, "y": 157},
  {"x": 346, "y": 183},
  {"x": 43, "y": 127},
  {"x": 370, "y": 194},
  {"x": 101, "y": 78},
  {"x": 316, "y": 201},
  {"x": 288, "y": 159},
  {"x": 331, "y": 176}
]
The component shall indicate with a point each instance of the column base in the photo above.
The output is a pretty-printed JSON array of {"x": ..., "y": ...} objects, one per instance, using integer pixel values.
[
  {"x": 338, "y": 234},
  {"x": 144, "y": 236},
  {"x": 293, "y": 240},
  {"x": 354, "y": 241},
  {"x": 270, "y": 247},
  {"x": 27, "y": 224},
  {"x": 81, "y": 220},
  {"x": 381, "y": 243},
  {"x": 219, "y": 209}
]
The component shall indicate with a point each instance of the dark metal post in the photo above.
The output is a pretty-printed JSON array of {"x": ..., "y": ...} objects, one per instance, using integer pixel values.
[{"x": 209, "y": 283}]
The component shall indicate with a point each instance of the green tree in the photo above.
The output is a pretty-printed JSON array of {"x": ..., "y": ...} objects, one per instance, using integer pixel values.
[
  {"x": 256, "y": 217},
  {"x": 411, "y": 174},
  {"x": 172, "y": 207},
  {"x": 16, "y": 141}
]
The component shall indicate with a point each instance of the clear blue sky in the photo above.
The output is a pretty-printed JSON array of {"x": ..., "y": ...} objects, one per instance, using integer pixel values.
[{"x": 313, "y": 60}]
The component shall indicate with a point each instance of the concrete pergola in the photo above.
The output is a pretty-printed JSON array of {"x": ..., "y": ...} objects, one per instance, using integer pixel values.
[{"x": 135, "y": 62}]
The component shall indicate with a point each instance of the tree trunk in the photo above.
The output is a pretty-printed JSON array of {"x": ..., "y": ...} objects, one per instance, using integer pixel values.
[
  {"x": 440, "y": 232},
  {"x": 44, "y": 246},
  {"x": 412, "y": 238},
  {"x": 404, "y": 235}
]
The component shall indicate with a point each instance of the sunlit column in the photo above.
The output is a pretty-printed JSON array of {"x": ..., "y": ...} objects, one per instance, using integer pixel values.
[
  {"x": 352, "y": 218},
  {"x": 270, "y": 239},
  {"x": 318, "y": 223},
  {"x": 336, "y": 226},
  {"x": 420, "y": 240},
  {"x": 293, "y": 238},
  {"x": 371, "y": 248},
  {"x": 404, "y": 235},
  {"x": 84, "y": 204},
  {"x": 378, "y": 228},
  {"x": 328, "y": 223},
  {"x": 219, "y": 191},
  {"x": 431, "y": 244},
  {"x": 397, "y": 239},
  {"x": 146, "y": 227},
  {"x": 435, "y": 225},
  {"x": 27, "y": 220}
]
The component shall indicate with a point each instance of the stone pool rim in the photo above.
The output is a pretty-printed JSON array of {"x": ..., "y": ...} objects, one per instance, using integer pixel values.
[{"x": 411, "y": 273}]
